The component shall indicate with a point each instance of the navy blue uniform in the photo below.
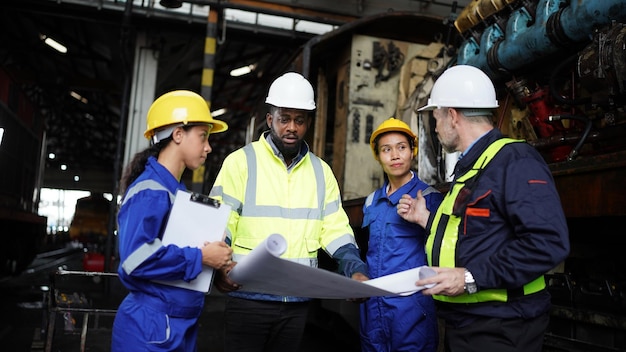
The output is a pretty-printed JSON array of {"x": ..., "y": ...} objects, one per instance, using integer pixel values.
[{"x": 524, "y": 236}]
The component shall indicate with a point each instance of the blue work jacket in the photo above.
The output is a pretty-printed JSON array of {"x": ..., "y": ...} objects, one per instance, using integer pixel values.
[{"x": 512, "y": 231}]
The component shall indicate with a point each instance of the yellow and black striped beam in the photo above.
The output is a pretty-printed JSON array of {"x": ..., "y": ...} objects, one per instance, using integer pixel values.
[
  {"x": 208, "y": 70},
  {"x": 210, "y": 45}
]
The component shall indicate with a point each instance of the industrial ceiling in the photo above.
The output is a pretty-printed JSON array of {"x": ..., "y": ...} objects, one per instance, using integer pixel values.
[{"x": 100, "y": 35}]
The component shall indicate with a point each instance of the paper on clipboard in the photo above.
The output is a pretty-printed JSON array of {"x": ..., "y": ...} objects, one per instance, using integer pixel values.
[{"x": 194, "y": 219}]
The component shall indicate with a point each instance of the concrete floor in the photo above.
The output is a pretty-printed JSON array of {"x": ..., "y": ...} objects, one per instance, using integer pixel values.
[{"x": 25, "y": 317}]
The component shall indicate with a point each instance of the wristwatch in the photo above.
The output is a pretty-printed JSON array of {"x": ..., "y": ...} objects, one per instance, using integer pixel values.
[{"x": 470, "y": 283}]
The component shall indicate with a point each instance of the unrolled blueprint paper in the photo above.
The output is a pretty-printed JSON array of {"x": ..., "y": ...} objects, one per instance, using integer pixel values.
[
  {"x": 403, "y": 283},
  {"x": 262, "y": 270}
]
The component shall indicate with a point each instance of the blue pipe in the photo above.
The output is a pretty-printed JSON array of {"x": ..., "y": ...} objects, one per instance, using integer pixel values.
[{"x": 520, "y": 45}]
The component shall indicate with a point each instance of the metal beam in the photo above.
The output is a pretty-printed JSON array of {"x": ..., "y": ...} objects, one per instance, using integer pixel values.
[{"x": 269, "y": 8}]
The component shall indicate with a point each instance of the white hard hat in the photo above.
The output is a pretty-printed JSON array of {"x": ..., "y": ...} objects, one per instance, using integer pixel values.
[
  {"x": 291, "y": 90},
  {"x": 462, "y": 86}
]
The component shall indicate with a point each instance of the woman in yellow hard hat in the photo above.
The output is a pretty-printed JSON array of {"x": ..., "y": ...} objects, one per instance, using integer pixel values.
[
  {"x": 155, "y": 316},
  {"x": 398, "y": 323}
]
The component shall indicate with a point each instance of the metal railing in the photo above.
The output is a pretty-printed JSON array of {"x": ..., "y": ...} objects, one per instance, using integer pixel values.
[{"x": 59, "y": 302}]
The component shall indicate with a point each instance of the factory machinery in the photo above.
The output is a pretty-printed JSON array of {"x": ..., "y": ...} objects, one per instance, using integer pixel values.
[{"x": 559, "y": 67}]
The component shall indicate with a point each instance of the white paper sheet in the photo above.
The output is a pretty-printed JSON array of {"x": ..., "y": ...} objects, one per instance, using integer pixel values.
[
  {"x": 403, "y": 283},
  {"x": 262, "y": 270}
]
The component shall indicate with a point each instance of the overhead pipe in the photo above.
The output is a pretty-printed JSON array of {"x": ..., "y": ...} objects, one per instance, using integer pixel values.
[{"x": 500, "y": 52}]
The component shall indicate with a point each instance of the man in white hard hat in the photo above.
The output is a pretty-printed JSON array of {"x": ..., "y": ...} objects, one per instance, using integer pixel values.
[
  {"x": 498, "y": 230},
  {"x": 276, "y": 185}
]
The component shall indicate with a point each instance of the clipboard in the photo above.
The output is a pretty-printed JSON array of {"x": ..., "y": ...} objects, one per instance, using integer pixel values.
[{"x": 194, "y": 219}]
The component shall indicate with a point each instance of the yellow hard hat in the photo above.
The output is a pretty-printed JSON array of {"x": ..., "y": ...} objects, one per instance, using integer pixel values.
[
  {"x": 393, "y": 125},
  {"x": 180, "y": 107}
]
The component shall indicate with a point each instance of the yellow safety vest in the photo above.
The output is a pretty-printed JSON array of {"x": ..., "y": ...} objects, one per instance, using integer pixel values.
[
  {"x": 444, "y": 234},
  {"x": 303, "y": 204}
]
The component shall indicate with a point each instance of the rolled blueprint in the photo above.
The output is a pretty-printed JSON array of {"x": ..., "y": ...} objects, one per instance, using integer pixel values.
[
  {"x": 246, "y": 270},
  {"x": 263, "y": 271}
]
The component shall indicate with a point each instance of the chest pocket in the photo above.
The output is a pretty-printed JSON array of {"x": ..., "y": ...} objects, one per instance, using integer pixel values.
[
  {"x": 400, "y": 227},
  {"x": 476, "y": 219},
  {"x": 368, "y": 218}
]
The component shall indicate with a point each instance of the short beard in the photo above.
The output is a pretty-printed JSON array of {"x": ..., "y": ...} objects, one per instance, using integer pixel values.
[
  {"x": 287, "y": 152},
  {"x": 450, "y": 147}
]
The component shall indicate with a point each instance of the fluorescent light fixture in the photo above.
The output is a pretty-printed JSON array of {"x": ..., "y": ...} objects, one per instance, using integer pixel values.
[
  {"x": 53, "y": 44},
  {"x": 244, "y": 70},
  {"x": 219, "y": 112},
  {"x": 78, "y": 97},
  {"x": 1, "y": 134}
]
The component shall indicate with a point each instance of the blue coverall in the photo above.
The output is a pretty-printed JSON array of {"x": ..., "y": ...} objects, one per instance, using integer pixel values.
[
  {"x": 403, "y": 323},
  {"x": 154, "y": 316}
]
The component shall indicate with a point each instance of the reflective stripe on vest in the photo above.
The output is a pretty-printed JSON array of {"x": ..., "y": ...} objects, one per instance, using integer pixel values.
[
  {"x": 252, "y": 209},
  {"x": 300, "y": 220},
  {"x": 444, "y": 235}
]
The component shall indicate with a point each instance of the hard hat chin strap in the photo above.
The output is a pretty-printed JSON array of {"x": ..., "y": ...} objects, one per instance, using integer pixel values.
[{"x": 167, "y": 131}]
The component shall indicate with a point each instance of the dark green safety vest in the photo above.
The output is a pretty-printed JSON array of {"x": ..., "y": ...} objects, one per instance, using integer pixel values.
[{"x": 444, "y": 234}]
